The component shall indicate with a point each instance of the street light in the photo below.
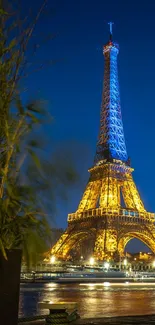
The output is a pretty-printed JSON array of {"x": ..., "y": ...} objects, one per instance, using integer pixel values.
[
  {"x": 153, "y": 264},
  {"x": 91, "y": 261},
  {"x": 125, "y": 262},
  {"x": 52, "y": 259},
  {"x": 106, "y": 265}
]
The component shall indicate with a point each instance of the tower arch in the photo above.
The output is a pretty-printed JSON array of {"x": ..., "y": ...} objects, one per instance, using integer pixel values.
[
  {"x": 146, "y": 238},
  {"x": 63, "y": 247}
]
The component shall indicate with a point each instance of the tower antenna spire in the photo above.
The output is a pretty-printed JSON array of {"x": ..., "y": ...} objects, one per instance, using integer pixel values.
[{"x": 110, "y": 26}]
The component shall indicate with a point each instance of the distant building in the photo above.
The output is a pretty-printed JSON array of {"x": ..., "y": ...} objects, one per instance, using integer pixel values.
[{"x": 141, "y": 256}]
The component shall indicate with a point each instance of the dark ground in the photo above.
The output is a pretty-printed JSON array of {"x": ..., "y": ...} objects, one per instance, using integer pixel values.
[{"x": 127, "y": 320}]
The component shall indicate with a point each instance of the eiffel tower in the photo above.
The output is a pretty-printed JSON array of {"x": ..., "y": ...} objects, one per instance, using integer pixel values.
[{"x": 111, "y": 211}]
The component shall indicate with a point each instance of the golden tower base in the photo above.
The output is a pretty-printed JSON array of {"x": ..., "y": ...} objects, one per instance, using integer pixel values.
[{"x": 110, "y": 226}]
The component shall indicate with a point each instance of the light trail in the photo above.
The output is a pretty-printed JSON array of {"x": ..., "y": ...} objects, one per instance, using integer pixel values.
[{"x": 108, "y": 284}]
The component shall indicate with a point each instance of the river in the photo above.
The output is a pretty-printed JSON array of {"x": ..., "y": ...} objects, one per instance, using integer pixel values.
[{"x": 93, "y": 300}]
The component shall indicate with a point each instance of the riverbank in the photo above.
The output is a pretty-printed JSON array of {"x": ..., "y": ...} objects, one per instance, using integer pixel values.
[
  {"x": 97, "y": 281},
  {"x": 125, "y": 320}
]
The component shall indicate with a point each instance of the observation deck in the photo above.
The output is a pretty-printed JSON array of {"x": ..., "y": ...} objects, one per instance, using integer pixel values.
[{"x": 124, "y": 215}]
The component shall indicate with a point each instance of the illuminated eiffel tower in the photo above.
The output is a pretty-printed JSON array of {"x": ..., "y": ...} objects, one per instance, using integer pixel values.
[{"x": 111, "y": 211}]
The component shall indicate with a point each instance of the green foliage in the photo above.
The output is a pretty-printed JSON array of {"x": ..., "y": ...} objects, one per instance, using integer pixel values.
[{"x": 26, "y": 177}]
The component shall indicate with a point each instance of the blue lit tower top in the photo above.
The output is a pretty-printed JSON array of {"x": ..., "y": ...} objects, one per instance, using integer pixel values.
[{"x": 111, "y": 141}]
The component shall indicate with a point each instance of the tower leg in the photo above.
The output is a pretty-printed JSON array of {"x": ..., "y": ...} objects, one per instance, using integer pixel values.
[
  {"x": 90, "y": 196},
  {"x": 59, "y": 248},
  {"x": 131, "y": 196},
  {"x": 105, "y": 244},
  {"x": 99, "y": 249}
]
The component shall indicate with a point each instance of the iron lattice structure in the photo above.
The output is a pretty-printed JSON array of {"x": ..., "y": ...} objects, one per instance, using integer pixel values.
[{"x": 111, "y": 211}]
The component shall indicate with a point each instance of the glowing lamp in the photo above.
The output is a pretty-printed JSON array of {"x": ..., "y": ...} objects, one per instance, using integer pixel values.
[
  {"x": 125, "y": 262},
  {"x": 91, "y": 261},
  {"x": 52, "y": 259},
  {"x": 106, "y": 265}
]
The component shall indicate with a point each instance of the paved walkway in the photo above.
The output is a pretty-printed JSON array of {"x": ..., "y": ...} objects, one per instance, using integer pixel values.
[{"x": 127, "y": 320}]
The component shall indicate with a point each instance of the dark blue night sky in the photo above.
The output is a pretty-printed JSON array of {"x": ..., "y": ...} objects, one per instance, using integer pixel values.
[{"x": 73, "y": 85}]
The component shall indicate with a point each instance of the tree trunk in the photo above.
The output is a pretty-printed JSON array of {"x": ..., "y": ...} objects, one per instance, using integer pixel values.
[{"x": 9, "y": 286}]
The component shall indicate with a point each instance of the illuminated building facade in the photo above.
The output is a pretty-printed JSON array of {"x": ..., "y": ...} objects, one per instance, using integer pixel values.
[{"x": 111, "y": 211}]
